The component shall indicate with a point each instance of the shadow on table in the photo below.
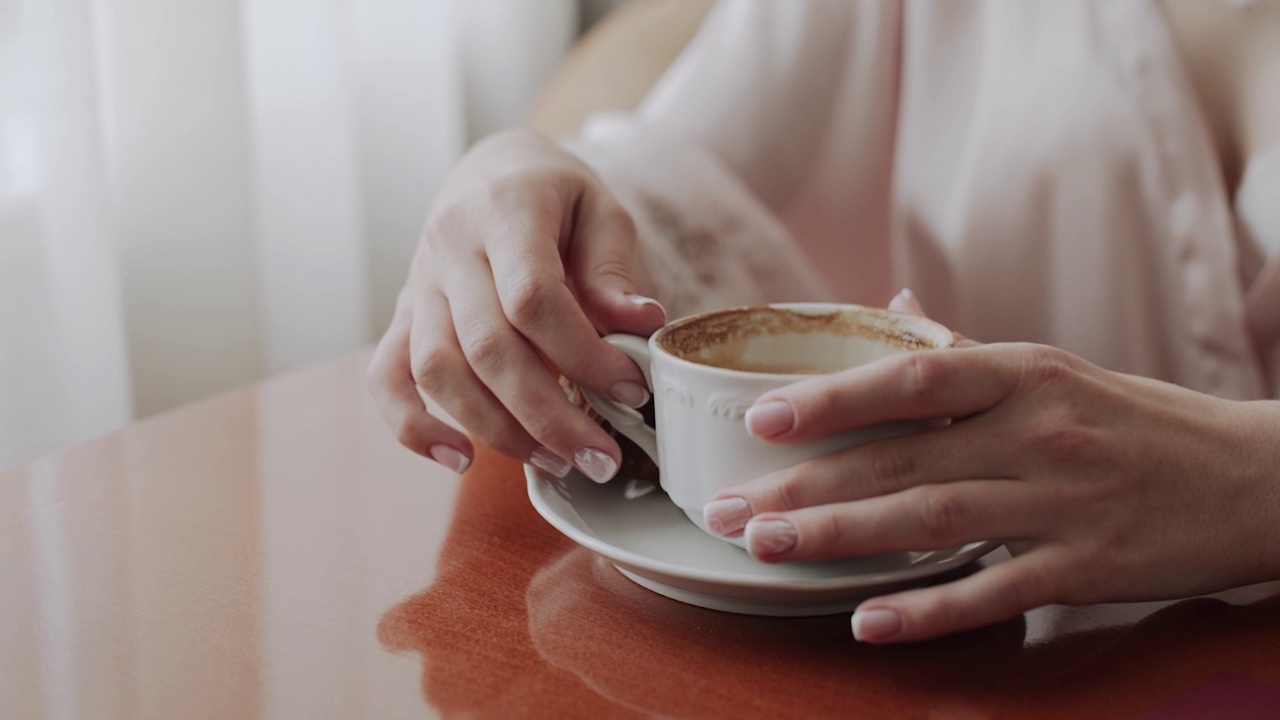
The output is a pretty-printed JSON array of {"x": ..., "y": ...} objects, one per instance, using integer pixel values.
[{"x": 520, "y": 622}]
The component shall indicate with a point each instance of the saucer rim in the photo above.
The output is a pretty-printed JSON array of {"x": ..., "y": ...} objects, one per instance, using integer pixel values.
[{"x": 960, "y": 556}]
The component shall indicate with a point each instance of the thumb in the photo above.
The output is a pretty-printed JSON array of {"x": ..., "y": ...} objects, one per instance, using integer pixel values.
[
  {"x": 604, "y": 264},
  {"x": 906, "y": 302}
]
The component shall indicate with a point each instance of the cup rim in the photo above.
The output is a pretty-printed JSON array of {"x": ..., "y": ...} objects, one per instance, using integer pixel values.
[{"x": 940, "y": 335}]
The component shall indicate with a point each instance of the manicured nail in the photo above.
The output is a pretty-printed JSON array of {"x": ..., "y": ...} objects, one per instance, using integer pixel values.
[
  {"x": 629, "y": 393},
  {"x": 547, "y": 461},
  {"x": 876, "y": 625},
  {"x": 642, "y": 301},
  {"x": 906, "y": 302},
  {"x": 770, "y": 419},
  {"x": 595, "y": 464},
  {"x": 449, "y": 458},
  {"x": 768, "y": 538},
  {"x": 726, "y": 515}
]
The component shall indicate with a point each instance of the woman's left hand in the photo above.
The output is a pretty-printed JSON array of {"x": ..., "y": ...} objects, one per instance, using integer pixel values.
[{"x": 1105, "y": 487}]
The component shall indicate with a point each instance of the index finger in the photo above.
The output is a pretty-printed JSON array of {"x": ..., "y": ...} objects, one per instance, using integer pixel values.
[
  {"x": 922, "y": 385},
  {"x": 530, "y": 280}
]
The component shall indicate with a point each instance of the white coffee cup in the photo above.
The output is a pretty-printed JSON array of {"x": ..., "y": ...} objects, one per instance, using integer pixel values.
[{"x": 706, "y": 370}]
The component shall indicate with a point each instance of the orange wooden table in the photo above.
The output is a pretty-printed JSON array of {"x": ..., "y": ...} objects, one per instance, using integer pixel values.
[{"x": 273, "y": 553}]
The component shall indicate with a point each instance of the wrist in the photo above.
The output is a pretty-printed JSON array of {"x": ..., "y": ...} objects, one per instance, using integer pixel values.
[{"x": 1258, "y": 469}]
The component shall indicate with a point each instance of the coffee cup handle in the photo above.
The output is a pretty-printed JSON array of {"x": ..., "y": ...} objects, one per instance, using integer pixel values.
[{"x": 627, "y": 420}]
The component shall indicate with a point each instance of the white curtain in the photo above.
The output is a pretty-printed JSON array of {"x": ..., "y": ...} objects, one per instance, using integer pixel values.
[{"x": 198, "y": 193}]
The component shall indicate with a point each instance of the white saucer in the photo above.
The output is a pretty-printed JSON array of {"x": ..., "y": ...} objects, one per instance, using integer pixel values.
[{"x": 651, "y": 542}]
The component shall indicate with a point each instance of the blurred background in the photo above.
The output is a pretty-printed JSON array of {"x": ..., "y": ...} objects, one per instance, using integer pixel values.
[{"x": 195, "y": 194}]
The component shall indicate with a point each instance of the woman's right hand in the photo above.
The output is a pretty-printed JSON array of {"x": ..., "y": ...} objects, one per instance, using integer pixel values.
[{"x": 525, "y": 256}]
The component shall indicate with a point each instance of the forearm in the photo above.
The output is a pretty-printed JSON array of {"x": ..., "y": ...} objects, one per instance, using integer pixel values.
[
  {"x": 700, "y": 162},
  {"x": 706, "y": 240},
  {"x": 1256, "y": 459},
  {"x": 616, "y": 64}
]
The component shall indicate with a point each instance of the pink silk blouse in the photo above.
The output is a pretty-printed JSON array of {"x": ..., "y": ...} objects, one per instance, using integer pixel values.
[{"x": 1035, "y": 171}]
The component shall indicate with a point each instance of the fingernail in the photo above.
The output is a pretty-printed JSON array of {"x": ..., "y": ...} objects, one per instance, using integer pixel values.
[
  {"x": 449, "y": 458},
  {"x": 767, "y": 538},
  {"x": 629, "y": 393},
  {"x": 547, "y": 461},
  {"x": 595, "y": 464},
  {"x": 905, "y": 301},
  {"x": 770, "y": 419},
  {"x": 876, "y": 625},
  {"x": 726, "y": 515},
  {"x": 642, "y": 301}
]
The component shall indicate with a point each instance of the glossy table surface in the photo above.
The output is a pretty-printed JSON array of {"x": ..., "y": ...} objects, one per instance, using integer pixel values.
[{"x": 272, "y": 553}]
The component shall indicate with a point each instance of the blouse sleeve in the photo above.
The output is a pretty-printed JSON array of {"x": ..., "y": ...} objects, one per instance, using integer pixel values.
[{"x": 727, "y": 134}]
